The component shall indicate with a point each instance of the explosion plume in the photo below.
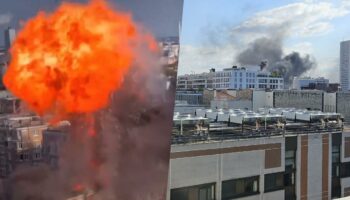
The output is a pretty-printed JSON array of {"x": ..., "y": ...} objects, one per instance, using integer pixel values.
[
  {"x": 70, "y": 61},
  {"x": 95, "y": 67}
]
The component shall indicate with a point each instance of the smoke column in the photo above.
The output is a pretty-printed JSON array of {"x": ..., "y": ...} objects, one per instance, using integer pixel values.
[
  {"x": 118, "y": 147},
  {"x": 270, "y": 49},
  {"x": 130, "y": 151}
]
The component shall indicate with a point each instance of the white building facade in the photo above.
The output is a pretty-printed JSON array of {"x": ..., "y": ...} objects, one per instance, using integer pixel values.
[
  {"x": 299, "y": 83},
  {"x": 231, "y": 78},
  {"x": 344, "y": 65},
  {"x": 195, "y": 81}
]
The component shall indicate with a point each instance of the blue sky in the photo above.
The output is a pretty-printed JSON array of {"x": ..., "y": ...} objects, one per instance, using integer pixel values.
[{"x": 214, "y": 31}]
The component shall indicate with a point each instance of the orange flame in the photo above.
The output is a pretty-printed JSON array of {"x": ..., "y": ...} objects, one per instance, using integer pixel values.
[
  {"x": 70, "y": 61},
  {"x": 78, "y": 187}
]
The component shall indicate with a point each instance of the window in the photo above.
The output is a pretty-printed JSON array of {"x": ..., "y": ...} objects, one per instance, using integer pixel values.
[
  {"x": 345, "y": 170},
  {"x": 21, "y": 157},
  {"x": 240, "y": 187},
  {"x": 199, "y": 192},
  {"x": 335, "y": 154},
  {"x": 290, "y": 159},
  {"x": 290, "y": 168},
  {"x": 336, "y": 145},
  {"x": 335, "y": 161},
  {"x": 274, "y": 182}
]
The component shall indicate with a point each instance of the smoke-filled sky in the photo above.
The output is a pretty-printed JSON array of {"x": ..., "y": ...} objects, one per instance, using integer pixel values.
[{"x": 215, "y": 33}]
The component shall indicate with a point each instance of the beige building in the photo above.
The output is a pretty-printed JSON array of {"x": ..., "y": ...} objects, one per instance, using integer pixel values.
[
  {"x": 264, "y": 157},
  {"x": 20, "y": 142}
]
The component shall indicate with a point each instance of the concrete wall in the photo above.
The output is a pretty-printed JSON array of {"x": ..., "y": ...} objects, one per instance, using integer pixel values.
[
  {"x": 345, "y": 185},
  {"x": 208, "y": 95},
  {"x": 262, "y": 99},
  {"x": 259, "y": 99},
  {"x": 187, "y": 109},
  {"x": 343, "y": 106},
  {"x": 298, "y": 99},
  {"x": 314, "y": 183},
  {"x": 329, "y": 102},
  {"x": 269, "y": 100},
  {"x": 274, "y": 195},
  {"x": 196, "y": 170},
  {"x": 233, "y": 104},
  {"x": 313, "y": 170}
]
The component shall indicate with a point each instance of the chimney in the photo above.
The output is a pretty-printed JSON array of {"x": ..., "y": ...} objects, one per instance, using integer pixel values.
[{"x": 263, "y": 65}]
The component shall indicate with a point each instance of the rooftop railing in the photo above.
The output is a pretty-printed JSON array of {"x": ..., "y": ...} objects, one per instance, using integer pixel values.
[{"x": 236, "y": 133}]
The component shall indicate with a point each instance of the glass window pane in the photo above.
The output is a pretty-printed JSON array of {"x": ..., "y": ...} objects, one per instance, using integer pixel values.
[
  {"x": 240, "y": 187},
  {"x": 255, "y": 186},
  {"x": 203, "y": 194}
]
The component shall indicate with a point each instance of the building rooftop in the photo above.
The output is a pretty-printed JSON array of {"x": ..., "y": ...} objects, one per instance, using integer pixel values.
[
  {"x": 20, "y": 121},
  {"x": 208, "y": 125}
]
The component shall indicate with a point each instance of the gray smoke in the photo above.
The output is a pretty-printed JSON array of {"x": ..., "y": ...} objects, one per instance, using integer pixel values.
[
  {"x": 292, "y": 65},
  {"x": 260, "y": 50},
  {"x": 129, "y": 156},
  {"x": 270, "y": 49}
]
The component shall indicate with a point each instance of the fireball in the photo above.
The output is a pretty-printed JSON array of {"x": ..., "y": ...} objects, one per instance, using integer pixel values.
[{"x": 71, "y": 60}]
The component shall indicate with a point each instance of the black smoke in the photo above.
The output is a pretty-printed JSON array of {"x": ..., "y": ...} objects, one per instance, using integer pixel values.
[
  {"x": 262, "y": 49},
  {"x": 270, "y": 49}
]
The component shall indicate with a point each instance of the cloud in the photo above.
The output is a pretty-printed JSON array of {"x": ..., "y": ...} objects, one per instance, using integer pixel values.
[
  {"x": 302, "y": 19},
  {"x": 327, "y": 67},
  {"x": 303, "y": 48},
  {"x": 319, "y": 28},
  {"x": 297, "y": 21},
  {"x": 201, "y": 59},
  {"x": 345, "y": 3},
  {"x": 5, "y": 18}
]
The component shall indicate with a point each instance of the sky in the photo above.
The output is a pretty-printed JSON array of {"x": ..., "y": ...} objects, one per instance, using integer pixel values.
[
  {"x": 214, "y": 32},
  {"x": 162, "y": 17}
]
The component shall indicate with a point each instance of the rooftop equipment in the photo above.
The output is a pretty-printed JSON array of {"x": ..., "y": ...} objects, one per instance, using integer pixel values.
[{"x": 189, "y": 125}]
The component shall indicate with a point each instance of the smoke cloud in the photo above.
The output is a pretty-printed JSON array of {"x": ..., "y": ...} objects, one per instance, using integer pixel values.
[
  {"x": 269, "y": 49},
  {"x": 126, "y": 157},
  {"x": 261, "y": 49}
]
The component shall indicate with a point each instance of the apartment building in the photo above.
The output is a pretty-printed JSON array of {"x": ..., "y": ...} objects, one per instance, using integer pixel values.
[
  {"x": 195, "y": 81},
  {"x": 231, "y": 79},
  {"x": 52, "y": 143},
  {"x": 269, "y": 154},
  {"x": 20, "y": 142},
  {"x": 301, "y": 83}
]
